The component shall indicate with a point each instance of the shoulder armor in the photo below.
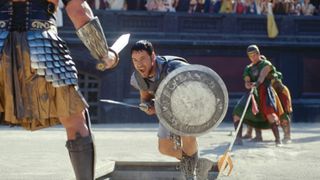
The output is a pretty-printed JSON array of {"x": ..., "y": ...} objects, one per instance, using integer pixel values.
[
  {"x": 170, "y": 58},
  {"x": 141, "y": 83}
]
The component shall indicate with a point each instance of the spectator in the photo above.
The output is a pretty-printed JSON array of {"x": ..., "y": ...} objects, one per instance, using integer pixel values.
[
  {"x": 175, "y": 4},
  {"x": 216, "y": 6},
  {"x": 192, "y": 6},
  {"x": 251, "y": 7},
  {"x": 307, "y": 8},
  {"x": 239, "y": 7},
  {"x": 155, "y": 5},
  {"x": 263, "y": 6},
  {"x": 182, "y": 5},
  {"x": 196, "y": 6},
  {"x": 207, "y": 5},
  {"x": 169, "y": 5},
  {"x": 226, "y": 6},
  {"x": 138, "y": 5},
  {"x": 116, "y": 4},
  {"x": 288, "y": 6},
  {"x": 278, "y": 7},
  {"x": 257, "y": 2},
  {"x": 295, "y": 8}
]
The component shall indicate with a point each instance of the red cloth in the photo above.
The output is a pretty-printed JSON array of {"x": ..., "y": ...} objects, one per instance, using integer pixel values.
[
  {"x": 254, "y": 105},
  {"x": 240, "y": 8},
  {"x": 265, "y": 107}
]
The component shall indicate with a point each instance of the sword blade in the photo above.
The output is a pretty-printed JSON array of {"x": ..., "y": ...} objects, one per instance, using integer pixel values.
[
  {"x": 119, "y": 103},
  {"x": 120, "y": 43}
]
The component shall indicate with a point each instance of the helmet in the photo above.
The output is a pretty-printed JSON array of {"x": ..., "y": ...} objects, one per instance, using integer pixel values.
[{"x": 253, "y": 48}]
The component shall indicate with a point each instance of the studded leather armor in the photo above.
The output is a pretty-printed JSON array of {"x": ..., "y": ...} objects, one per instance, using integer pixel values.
[
  {"x": 49, "y": 54},
  {"x": 165, "y": 64}
]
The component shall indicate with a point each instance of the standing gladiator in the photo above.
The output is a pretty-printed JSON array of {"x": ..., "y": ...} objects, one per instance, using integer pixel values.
[
  {"x": 38, "y": 80},
  {"x": 259, "y": 74},
  {"x": 285, "y": 119}
]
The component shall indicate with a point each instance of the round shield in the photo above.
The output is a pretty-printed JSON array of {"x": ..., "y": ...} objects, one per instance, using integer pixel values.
[{"x": 191, "y": 100}]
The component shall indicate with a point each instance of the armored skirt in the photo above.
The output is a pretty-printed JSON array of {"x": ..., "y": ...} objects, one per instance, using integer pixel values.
[{"x": 38, "y": 81}]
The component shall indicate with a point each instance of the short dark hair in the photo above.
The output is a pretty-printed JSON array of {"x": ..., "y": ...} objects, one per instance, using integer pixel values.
[{"x": 142, "y": 45}]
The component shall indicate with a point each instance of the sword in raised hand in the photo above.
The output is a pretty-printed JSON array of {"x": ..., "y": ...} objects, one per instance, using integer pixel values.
[{"x": 117, "y": 47}]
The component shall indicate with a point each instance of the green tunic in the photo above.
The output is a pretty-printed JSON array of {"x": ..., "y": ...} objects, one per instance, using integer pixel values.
[{"x": 253, "y": 71}]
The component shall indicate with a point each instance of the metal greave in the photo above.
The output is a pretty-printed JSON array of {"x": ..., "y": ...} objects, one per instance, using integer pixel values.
[{"x": 82, "y": 154}]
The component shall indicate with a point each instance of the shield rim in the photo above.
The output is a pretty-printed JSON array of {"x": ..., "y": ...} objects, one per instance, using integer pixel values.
[{"x": 172, "y": 74}]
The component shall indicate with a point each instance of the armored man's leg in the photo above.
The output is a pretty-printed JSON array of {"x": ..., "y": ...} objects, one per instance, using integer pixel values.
[
  {"x": 81, "y": 154},
  {"x": 203, "y": 167},
  {"x": 188, "y": 165},
  {"x": 80, "y": 145}
]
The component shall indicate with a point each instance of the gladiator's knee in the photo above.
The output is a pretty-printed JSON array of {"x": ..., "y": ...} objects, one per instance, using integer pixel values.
[
  {"x": 165, "y": 147},
  {"x": 190, "y": 145},
  {"x": 273, "y": 118}
]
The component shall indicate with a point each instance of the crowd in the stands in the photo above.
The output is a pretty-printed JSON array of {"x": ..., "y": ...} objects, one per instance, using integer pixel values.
[{"x": 278, "y": 7}]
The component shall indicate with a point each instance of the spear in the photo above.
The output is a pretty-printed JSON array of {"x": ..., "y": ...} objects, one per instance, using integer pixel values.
[{"x": 225, "y": 159}]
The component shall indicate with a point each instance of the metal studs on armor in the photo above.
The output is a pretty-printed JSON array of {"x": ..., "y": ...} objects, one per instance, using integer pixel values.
[
  {"x": 3, "y": 36},
  {"x": 50, "y": 57}
]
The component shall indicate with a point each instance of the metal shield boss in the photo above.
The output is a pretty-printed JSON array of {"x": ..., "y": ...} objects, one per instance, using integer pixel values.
[{"x": 191, "y": 100}]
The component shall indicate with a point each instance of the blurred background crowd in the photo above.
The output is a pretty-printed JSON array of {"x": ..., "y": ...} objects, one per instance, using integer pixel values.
[{"x": 259, "y": 7}]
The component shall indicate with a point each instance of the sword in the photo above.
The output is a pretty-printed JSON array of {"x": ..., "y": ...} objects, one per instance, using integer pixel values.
[
  {"x": 119, "y": 103},
  {"x": 120, "y": 43},
  {"x": 117, "y": 46}
]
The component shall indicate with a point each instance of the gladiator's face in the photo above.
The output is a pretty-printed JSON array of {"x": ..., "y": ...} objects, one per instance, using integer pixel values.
[
  {"x": 143, "y": 63},
  {"x": 254, "y": 57}
]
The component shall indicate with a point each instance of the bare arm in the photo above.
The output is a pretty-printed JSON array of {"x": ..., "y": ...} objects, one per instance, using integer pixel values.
[
  {"x": 91, "y": 33},
  {"x": 145, "y": 96},
  {"x": 247, "y": 82},
  {"x": 263, "y": 74},
  {"x": 79, "y": 12}
]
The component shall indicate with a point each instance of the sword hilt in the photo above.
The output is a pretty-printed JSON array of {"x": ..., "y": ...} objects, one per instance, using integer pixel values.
[
  {"x": 101, "y": 66},
  {"x": 144, "y": 106}
]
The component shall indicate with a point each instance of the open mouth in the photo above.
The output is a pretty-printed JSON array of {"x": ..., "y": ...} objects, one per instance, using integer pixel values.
[{"x": 142, "y": 70}]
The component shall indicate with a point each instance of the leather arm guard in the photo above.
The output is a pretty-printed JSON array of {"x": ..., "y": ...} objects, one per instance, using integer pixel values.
[{"x": 91, "y": 34}]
